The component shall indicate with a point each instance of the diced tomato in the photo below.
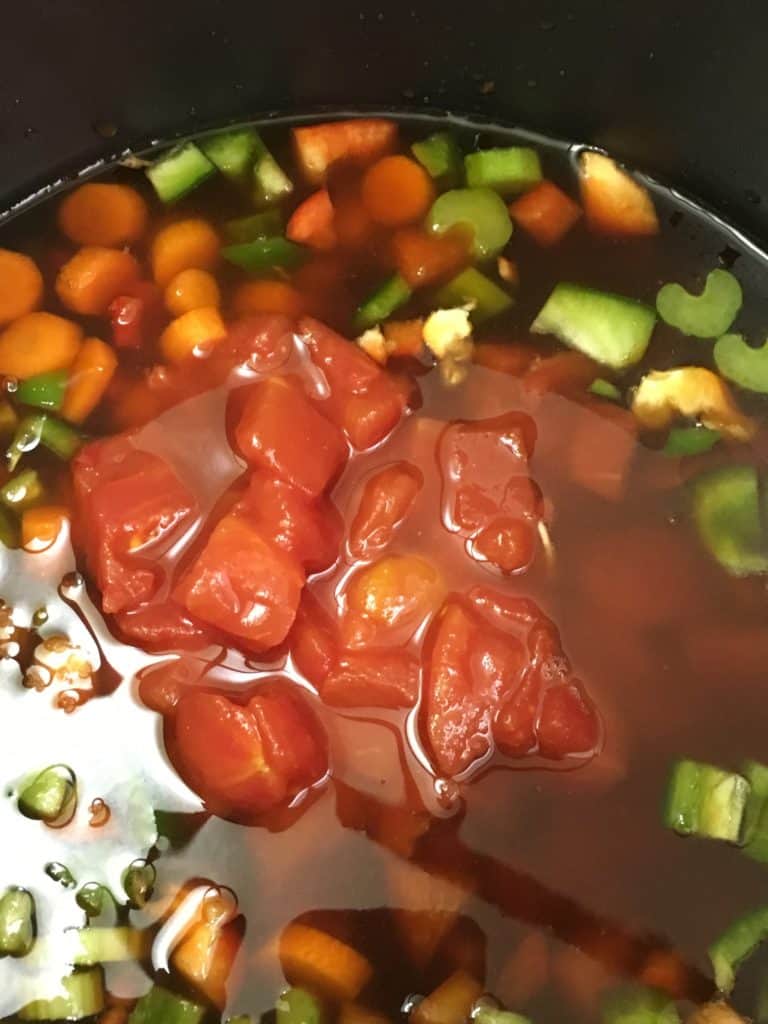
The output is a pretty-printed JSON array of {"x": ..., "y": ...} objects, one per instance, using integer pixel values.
[
  {"x": 424, "y": 259},
  {"x": 247, "y": 758},
  {"x": 130, "y": 502},
  {"x": 137, "y": 317},
  {"x": 378, "y": 678},
  {"x": 281, "y": 431},
  {"x": 161, "y": 626},
  {"x": 546, "y": 213},
  {"x": 312, "y": 222},
  {"x": 507, "y": 543},
  {"x": 314, "y": 640},
  {"x": 262, "y": 341},
  {"x": 386, "y": 501},
  {"x": 359, "y": 141},
  {"x": 389, "y": 600},
  {"x": 565, "y": 373},
  {"x": 243, "y": 584},
  {"x": 568, "y": 723}
]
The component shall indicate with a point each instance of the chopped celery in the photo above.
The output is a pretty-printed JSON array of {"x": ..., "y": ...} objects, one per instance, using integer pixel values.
[
  {"x": 691, "y": 441},
  {"x": 636, "y": 1004},
  {"x": 510, "y": 170},
  {"x": 440, "y": 155},
  {"x": 49, "y": 794},
  {"x": 605, "y": 389},
  {"x": 472, "y": 287},
  {"x": 83, "y": 996},
  {"x": 379, "y": 306},
  {"x": 297, "y": 1006},
  {"x": 738, "y": 941},
  {"x": 46, "y": 391},
  {"x": 480, "y": 209},
  {"x": 726, "y": 510},
  {"x": 22, "y": 490},
  {"x": 610, "y": 329},
  {"x": 742, "y": 364},
  {"x": 17, "y": 922},
  {"x": 756, "y": 815},
  {"x": 264, "y": 254},
  {"x": 179, "y": 171},
  {"x": 232, "y": 152},
  {"x": 159, "y": 1006},
  {"x": 266, "y": 224},
  {"x": 270, "y": 182},
  {"x": 111, "y": 945},
  {"x": 706, "y": 801},
  {"x": 493, "y": 1015},
  {"x": 707, "y": 315}
]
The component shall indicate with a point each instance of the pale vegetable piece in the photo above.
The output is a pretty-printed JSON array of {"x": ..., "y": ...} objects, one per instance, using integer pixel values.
[
  {"x": 715, "y": 1013},
  {"x": 448, "y": 336},
  {"x": 374, "y": 344},
  {"x": 614, "y": 202},
  {"x": 690, "y": 392}
]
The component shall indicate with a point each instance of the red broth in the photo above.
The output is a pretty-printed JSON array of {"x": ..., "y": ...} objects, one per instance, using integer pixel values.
[{"x": 372, "y": 677}]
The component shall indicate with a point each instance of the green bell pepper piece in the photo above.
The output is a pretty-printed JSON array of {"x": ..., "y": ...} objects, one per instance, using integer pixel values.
[
  {"x": 264, "y": 254},
  {"x": 738, "y": 942},
  {"x": 388, "y": 297},
  {"x": 691, "y": 441}
]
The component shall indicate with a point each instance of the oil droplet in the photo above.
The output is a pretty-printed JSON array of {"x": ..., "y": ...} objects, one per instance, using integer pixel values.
[
  {"x": 411, "y": 1002},
  {"x": 60, "y": 873},
  {"x": 38, "y": 677},
  {"x": 106, "y": 129},
  {"x": 99, "y": 813},
  {"x": 90, "y": 898},
  {"x": 484, "y": 1002},
  {"x": 219, "y": 905},
  {"x": 71, "y": 584},
  {"x": 139, "y": 883},
  {"x": 448, "y": 793},
  {"x": 39, "y": 617},
  {"x": 69, "y": 700},
  {"x": 10, "y": 384}
]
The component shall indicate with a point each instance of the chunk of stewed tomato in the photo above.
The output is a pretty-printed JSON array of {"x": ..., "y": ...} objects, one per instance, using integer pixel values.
[
  {"x": 314, "y": 640},
  {"x": 377, "y": 678},
  {"x": 388, "y": 600},
  {"x": 161, "y": 626},
  {"x": 385, "y": 502}
]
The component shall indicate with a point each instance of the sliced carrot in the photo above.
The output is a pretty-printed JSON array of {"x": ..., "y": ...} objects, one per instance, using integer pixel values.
[
  {"x": 98, "y": 214},
  {"x": 509, "y": 357},
  {"x": 184, "y": 245},
  {"x": 192, "y": 333},
  {"x": 38, "y": 343},
  {"x": 397, "y": 191},
  {"x": 360, "y": 141},
  {"x": 312, "y": 223},
  {"x": 191, "y": 289},
  {"x": 319, "y": 961},
  {"x": 94, "y": 276},
  {"x": 89, "y": 379},
  {"x": 614, "y": 202},
  {"x": 451, "y": 1002},
  {"x": 546, "y": 213},
  {"x": 21, "y": 285},
  {"x": 267, "y": 297},
  {"x": 205, "y": 958},
  {"x": 41, "y": 526},
  {"x": 404, "y": 337},
  {"x": 424, "y": 259}
]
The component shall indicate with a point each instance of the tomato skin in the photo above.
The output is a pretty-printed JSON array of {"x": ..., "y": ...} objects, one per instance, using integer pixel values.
[
  {"x": 387, "y": 499},
  {"x": 377, "y": 678},
  {"x": 281, "y": 432}
]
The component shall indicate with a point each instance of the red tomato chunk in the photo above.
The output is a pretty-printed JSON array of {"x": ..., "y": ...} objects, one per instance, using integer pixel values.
[{"x": 387, "y": 498}]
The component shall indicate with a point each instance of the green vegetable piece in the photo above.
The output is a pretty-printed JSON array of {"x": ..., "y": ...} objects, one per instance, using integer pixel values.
[
  {"x": 139, "y": 882},
  {"x": 726, "y": 511},
  {"x": 706, "y": 801},
  {"x": 702, "y": 316},
  {"x": 493, "y": 1015},
  {"x": 180, "y": 171},
  {"x": 17, "y": 923},
  {"x": 610, "y": 329},
  {"x": 691, "y": 441},
  {"x": 9, "y": 532},
  {"x": 760, "y": 1015},
  {"x": 756, "y": 815},
  {"x": 297, "y": 1006},
  {"x": 738, "y": 941},
  {"x": 90, "y": 898},
  {"x": 111, "y": 945},
  {"x": 605, "y": 389},
  {"x": 159, "y": 1006},
  {"x": 242, "y": 1018},
  {"x": 470, "y": 286},
  {"x": 49, "y": 795},
  {"x": 178, "y": 827},
  {"x": 440, "y": 156},
  {"x": 26, "y": 439},
  {"x": 40, "y": 428},
  {"x": 46, "y": 391},
  {"x": 60, "y": 873},
  {"x": 22, "y": 490},
  {"x": 264, "y": 254},
  {"x": 258, "y": 225},
  {"x": 232, "y": 152},
  {"x": 270, "y": 182},
  {"x": 83, "y": 996},
  {"x": 509, "y": 171},
  {"x": 388, "y": 297},
  {"x": 739, "y": 362},
  {"x": 481, "y": 210},
  {"x": 636, "y": 1004}
]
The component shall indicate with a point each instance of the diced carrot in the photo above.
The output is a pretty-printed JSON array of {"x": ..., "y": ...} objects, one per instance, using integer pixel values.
[
  {"x": 565, "y": 373},
  {"x": 525, "y": 972},
  {"x": 38, "y": 343},
  {"x": 614, "y": 202},
  {"x": 89, "y": 379},
  {"x": 21, "y": 285},
  {"x": 205, "y": 958},
  {"x": 424, "y": 259},
  {"x": 360, "y": 141},
  {"x": 100, "y": 214},
  {"x": 184, "y": 245},
  {"x": 191, "y": 334},
  {"x": 546, "y": 213},
  {"x": 510, "y": 357},
  {"x": 354, "y": 1013},
  {"x": 313, "y": 958},
  {"x": 451, "y": 1002},
  {"x": 397, "y": 191},
  {"x": 191, "y": 289},
  {"x": 94, "y": 276},
  {"x": 41, "y": 526},
  {"x": 404, "y": 337},
  {"x": 600, "y": 453},
  {"x": 267, "y": 297},
  {"x": 312, "y": 223}
]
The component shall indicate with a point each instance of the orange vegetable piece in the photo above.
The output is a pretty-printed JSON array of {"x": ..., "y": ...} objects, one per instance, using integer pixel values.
[
  {"x": 397, "y": 191},
  {"x": 191, "y": 333},
  {"x": 89, "y": 379},
  {"x": 267, "y": 297},
  {"x": 94, "y": 276},
  {"x": 21, "y": 285},
  {"x": 191, "y": 289},
  {"x": 99, "y": 214},
  {"x": 359, "y": 140},
  {"x": 41, "y": 526},
  {"x": 614, "y": 202},
  {"x": 404, "y": 337},
  {"x": 546, "y": 213},
  {"x": 184, "y": 245},
  {"x": 38, "y": 343},
  {"x": 451, "y": 1002},
  {"x": 424, "y": 258},
  {"x": 205, "y": 958},
  {"x": 506, "y": 357},
  {"x": 319, "y": 961},
  {"x": 312, "y": 222}
]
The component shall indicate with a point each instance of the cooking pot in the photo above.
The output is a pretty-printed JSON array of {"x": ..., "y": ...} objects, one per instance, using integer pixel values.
[{"x": 674, "y": 88}]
